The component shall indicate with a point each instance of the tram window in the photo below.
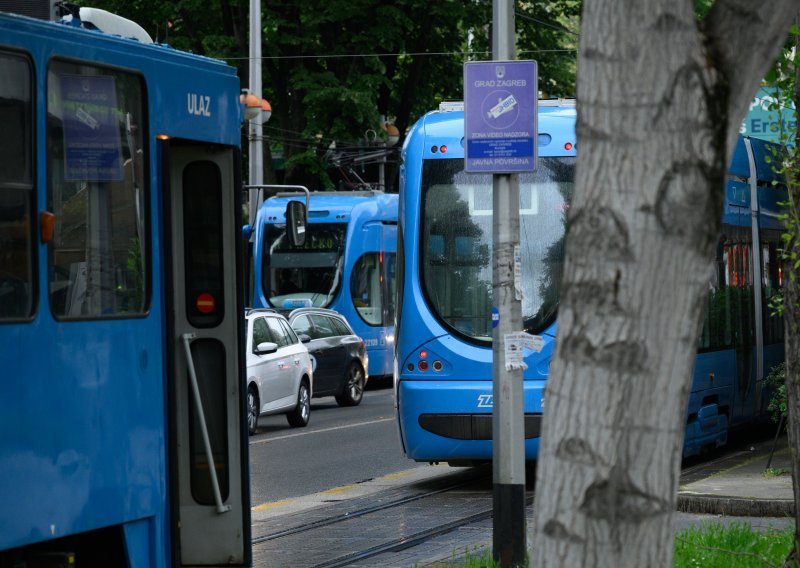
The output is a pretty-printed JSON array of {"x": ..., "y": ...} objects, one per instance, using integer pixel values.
[
  {"x": 772, "y": 282},
  {"x": 390, "y": 287},
  {"x": 202, "y": 187},
  {"x": 455, "y": 244},
  {"x": 97, "y": 189},
  {"x": 365, "y": 288},
  {"x": 209, "y": 361},
  {"x": 729, "y": 308},
  {"x": 17, "y": 290}
]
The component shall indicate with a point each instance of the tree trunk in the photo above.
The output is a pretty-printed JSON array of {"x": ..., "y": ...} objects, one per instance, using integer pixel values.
[{"x": 657, "y": 121}]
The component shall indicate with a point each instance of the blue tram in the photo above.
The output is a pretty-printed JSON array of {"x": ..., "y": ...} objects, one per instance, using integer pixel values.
[
  {"x": 122, "y": 431},
  {"x": 347, "y": 263},
  {"x": 443, "y": 379}
]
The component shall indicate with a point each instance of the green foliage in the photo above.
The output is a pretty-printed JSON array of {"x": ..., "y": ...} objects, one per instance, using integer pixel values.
[
  {"x": 783, "y": 77},
  {"x": 771, "y": 472},
  {"x": 332, "y": 69},
  {"x": 710, "y": 545},
  {"x": 735, "y": 545},
  {"x": 777, "y": 402},
  {"x": 474, "y": 559}
]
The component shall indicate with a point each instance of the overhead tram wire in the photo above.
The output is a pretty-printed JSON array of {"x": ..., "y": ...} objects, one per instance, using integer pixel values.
[{"x": 414, "y": 54}]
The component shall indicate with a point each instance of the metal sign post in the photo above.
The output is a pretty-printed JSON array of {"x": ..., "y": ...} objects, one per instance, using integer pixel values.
[
  {"x": 255, "y": 134},
  {"x": 500, "y": 109}
]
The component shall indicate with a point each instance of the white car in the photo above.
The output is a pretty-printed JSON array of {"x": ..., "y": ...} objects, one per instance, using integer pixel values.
[{"x": 279, "y": 372}]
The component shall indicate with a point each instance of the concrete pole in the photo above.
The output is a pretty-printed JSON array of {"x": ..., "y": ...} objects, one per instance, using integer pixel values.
[
  {"x": 508, "y": 411},
  {"x": 255, "y": 129}
]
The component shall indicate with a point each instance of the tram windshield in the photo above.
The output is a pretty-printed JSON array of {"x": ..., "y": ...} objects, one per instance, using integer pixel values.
[
  {"x": 312, "y": 272},
  {"x": 456, "y": 243}
]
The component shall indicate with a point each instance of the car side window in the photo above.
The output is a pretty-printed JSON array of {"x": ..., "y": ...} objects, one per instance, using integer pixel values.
[
  {"x": 289, "y": 332},
  {"x": 281, "y": 338},
  {"x": 302, "y": 324},
  {"x": 260, "y": 332},
  {"x": 323, "y": 326},
  {"x": 340, "y": 327}
]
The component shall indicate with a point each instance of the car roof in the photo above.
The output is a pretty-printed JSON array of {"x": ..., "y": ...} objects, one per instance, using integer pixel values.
[
  {"x": 248, "y": 312},
  {"x": 321, "y": 311}
]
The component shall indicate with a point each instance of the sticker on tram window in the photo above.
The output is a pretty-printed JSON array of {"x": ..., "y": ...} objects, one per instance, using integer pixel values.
[{"x": 92, "y": 142}]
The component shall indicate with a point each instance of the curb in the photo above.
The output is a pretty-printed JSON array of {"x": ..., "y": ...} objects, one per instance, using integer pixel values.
[{"x": 735, "y": 506}]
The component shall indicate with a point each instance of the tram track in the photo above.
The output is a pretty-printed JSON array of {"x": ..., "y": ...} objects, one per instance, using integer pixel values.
[
  {"x": 410, "y": 541},
  {"x": 400, "y": 522},
  {"x": 357, "y": 513},
  {"x": 376, "y": 529}
]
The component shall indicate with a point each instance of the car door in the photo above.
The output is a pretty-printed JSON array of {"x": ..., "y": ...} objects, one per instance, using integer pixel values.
[
  {"x": 331, "y": 350},
  {"x": 299, "y": 353},
  {"x": 302, "y": 325},
  {"x": 261, "y": 366},
  {"x": 285, "y": 363},
  {"x": 319, "y": 353}
]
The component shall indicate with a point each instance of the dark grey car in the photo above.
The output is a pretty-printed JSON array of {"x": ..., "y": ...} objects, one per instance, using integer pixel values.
[{"x": 339, "y": 355}]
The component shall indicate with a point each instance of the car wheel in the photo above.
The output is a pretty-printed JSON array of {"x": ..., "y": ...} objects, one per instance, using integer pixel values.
[
  {"x": 252, "y": 411},
  {"x": 298, "y": 417},
  {"x": 353, "y": 386}
]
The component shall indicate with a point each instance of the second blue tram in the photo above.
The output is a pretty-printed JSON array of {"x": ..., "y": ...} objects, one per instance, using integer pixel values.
[
  {"x": 347, "y": 263},
  {"x": 443, "y": 380},
  {"x": 123, "y": 438}
]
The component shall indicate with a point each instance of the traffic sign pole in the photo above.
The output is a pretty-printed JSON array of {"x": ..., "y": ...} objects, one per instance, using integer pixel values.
[
  {"x": 508, "y": 438},
  {"x": 500, "y": 137},
  {"x": 507, "y": 419}
]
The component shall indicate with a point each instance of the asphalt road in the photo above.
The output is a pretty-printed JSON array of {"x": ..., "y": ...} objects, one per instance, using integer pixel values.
[{"x": 340, "y": 446}]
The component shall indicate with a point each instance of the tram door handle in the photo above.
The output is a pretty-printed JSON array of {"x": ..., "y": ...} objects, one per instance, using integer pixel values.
[{"x": 198, "y": 404}]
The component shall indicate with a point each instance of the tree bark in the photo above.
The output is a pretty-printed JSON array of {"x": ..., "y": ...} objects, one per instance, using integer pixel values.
[{"x": 657, "y": 120}]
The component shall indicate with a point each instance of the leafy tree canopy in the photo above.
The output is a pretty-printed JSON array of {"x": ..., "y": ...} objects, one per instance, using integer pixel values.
[{"x": 332, "y": 70}]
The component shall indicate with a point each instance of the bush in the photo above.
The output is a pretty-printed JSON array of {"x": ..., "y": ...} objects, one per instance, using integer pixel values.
[{"x": 777, "y": 403}]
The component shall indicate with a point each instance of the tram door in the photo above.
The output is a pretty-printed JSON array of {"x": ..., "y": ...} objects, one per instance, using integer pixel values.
[{"x": 211, "y": 514}]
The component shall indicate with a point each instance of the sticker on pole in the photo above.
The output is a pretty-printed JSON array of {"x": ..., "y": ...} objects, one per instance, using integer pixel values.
[
  {"x": 517, "y": 273},
  {"x": 495, "y": 316},
  {"x": 513, "y": 353},
  {"x": 515, "y": 345}
]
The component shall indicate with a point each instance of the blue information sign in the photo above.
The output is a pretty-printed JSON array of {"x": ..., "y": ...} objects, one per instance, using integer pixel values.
[
  {"x": 92, "y": 143},
  {"x": 500, "y": 130}
]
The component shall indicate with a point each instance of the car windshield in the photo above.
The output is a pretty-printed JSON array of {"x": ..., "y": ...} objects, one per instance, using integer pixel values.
[{"x": 310, "y": 273}]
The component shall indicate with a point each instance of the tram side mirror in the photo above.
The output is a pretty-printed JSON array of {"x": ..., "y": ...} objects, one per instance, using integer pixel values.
[{"x": 296, "y": 219}]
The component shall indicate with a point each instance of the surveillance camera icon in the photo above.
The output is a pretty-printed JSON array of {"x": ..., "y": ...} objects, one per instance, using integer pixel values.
[{"x": 503, "y": 106}]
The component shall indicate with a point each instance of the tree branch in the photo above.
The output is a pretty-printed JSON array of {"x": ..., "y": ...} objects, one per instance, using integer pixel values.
[{"x": 743, "y": 38}]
